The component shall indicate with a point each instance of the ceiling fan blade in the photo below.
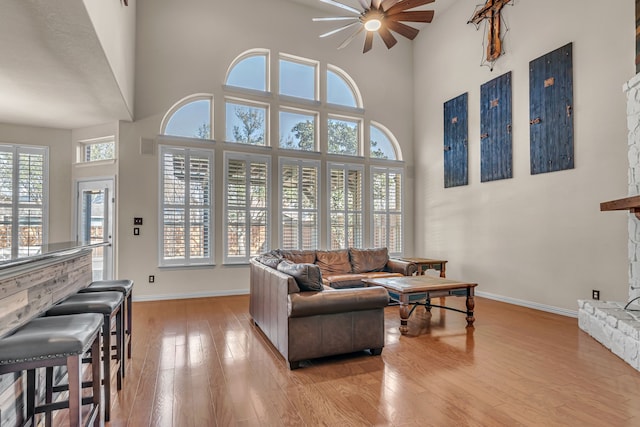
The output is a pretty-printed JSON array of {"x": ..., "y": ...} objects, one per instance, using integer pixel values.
[
  {"x": 336, "y": 18},
  {"x": 368, "y": 42},
  {"x": 387, "y": 37},
  {"x": 406, "y": 5},
  {"x": 415, "y": 16},
  {"x": 332, "y": 32},
  {"x": 365, "y": 4},
  {"x": 342, "y": 6},
  {"x": 375, "y": 4},
  {"x": 402, "y": 29},
  {"x": 350, "y": 38}
]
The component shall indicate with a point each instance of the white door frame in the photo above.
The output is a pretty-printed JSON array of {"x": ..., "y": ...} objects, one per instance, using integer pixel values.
[{"x": 107, "y": 184}]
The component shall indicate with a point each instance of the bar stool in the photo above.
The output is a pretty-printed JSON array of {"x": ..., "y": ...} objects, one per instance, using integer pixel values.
[
  {"x": 108, "y": 304},
  {"x": 126, "y": 287},
  {"x": 56, "y": 341}
]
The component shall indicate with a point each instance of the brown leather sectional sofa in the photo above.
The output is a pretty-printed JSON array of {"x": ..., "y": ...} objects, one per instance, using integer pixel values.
[{"x": 343, "y": 317}]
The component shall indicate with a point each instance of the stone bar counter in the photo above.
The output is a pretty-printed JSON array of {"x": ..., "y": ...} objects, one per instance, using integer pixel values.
[{"x": 30, "y": 285}]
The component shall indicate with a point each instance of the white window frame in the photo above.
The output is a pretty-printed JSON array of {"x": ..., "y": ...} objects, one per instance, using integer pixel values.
[
  {"x": 316, "y": 130},
  {"x": 181, "y": 103},
  {"x": 83, "y": 146},
  {"x": 15, "y": 204},
  {"x": 246, "y": 55},
  {"x": 345, "y": 167},
  {"x": 387, "y": 170},
  {"x": 359, "y": 132},
  {"x": 349, "y": 82},
  {"x": 250, "y": 104},
  {"x": 299, "y": 163},
  {"x": 392, "y": 139},
  {"x": 187, "y": 261},
  {"x": 249, "y": 158},
  {"x": 316, "y": 75}
]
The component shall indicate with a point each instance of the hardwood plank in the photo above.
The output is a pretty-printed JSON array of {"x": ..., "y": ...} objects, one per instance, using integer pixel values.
[{"x": 201, "y": 362}]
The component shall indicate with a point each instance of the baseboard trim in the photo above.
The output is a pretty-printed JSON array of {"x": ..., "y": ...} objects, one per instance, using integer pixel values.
[
  {"x": 508, "y": 300},
  {"x": 529, "y": 304},
  {"x": 163, "y": 297}
]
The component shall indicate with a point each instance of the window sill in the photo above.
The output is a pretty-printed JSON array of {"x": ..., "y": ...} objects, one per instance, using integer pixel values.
[
  {"x": 95, "y": 163},
  {"x": 188, "y": 267}
]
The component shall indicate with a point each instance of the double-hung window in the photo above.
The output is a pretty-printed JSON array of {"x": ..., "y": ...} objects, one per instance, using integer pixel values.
[
  {"x": 345, "y": 205},
  {"x": 23, "y": 200},
  {"x": 299, "y": 211},
  {"x": 186, "y": 206},
  {"x": 386, "y": 196},
  {"x": 246, "y": 195}
]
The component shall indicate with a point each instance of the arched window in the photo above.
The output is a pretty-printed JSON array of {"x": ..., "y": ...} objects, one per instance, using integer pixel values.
[
  {"x": 341, "y": 89},
  {"x": 382, "y": 144},
  {"x": 190, "y": 117},
  {"x": 309, "y": 119},
  {"x": 250, "y": 70}
]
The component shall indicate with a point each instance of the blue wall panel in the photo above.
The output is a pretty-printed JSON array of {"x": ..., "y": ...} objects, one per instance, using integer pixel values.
[
  {"x": 496, "y": 154},
  {"x": 455, "y": 142},
  {"x": 551, "y": 111}
]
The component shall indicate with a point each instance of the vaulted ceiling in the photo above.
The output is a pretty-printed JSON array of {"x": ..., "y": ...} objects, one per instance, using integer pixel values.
[{"x": 54, "y": 72}]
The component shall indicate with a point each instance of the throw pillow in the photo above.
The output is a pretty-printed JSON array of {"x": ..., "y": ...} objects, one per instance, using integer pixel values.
[
  {"x": 367, "y": 260},
  {"x": 308, "y": 276},
  {"x": 270, "y": 259}
]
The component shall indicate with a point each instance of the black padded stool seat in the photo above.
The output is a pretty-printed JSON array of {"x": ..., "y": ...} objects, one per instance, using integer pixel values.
[
  {"x": 56, "y": 341},
  {"x": 126, "y": 287},
  {"x": 108, "y": 304}
]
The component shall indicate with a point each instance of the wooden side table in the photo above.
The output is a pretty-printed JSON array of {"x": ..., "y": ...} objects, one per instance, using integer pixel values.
[{"x": 428, "y": 263}]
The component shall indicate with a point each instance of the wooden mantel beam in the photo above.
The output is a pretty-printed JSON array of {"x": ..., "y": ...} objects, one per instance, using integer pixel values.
[{"x": 632, "y": 204}]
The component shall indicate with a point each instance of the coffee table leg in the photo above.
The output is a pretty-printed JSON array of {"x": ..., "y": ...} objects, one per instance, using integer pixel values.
[
  {"x": 470, "y": 306},
  {"x": 404, "y": 317}
]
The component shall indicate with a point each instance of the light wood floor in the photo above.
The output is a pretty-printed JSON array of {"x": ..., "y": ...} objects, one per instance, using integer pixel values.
[{"x": 201, "y": 362}]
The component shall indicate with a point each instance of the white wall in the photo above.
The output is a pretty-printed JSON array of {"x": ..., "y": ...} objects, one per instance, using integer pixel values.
[
  {"x": 536, "y": 239},
  {"x": 185, "y": 48},
  {"x": 115, "y": 26},
  {"x": 59, "y": 143}
]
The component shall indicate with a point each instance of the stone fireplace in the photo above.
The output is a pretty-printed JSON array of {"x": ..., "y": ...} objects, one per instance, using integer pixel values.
[{"x": 609, "y": 322}]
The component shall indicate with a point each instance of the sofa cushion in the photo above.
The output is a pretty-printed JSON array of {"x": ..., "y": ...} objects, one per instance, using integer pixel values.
[
  {"x": 341, "y": 281},
  {"x": 380, "y": 274},
  {"x": 307, "y": 275},
  {"x": 333, "y": 262},
  {"x": 366, "y": 260},
  {"x": 299, "y": 257},
  {"x": 270, "y": 259}
]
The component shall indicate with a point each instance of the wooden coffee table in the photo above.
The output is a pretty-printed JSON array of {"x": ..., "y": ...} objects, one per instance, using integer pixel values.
[
  {"x": 418, "y": 290},
  {"x": 424, "y": 264}
]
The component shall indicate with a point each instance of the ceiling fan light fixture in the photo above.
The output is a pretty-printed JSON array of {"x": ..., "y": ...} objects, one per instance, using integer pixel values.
[
  {"x": 372, "y": 24},
  {"x": 380, "y": 16}
]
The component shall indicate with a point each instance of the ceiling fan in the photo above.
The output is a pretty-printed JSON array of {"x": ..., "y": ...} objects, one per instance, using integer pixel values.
[{"x": 381, "y": 16}]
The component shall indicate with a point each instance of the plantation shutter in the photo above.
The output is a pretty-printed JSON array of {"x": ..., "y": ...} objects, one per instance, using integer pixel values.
[
  {"x": 345, "y": 206},
  {"x": 300, "y": 207},
  {"x": 186, "y": 208},
  {"x": 246, "y": 203}
]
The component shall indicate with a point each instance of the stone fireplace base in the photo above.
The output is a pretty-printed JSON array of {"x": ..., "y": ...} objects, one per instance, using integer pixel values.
[
  {"x": 613, "y": 326},
  {"x": 608, "y": 322}
]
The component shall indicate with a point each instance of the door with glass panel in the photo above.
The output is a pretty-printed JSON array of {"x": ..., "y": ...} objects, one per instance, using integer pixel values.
[{"x": 95, "y": 223}]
